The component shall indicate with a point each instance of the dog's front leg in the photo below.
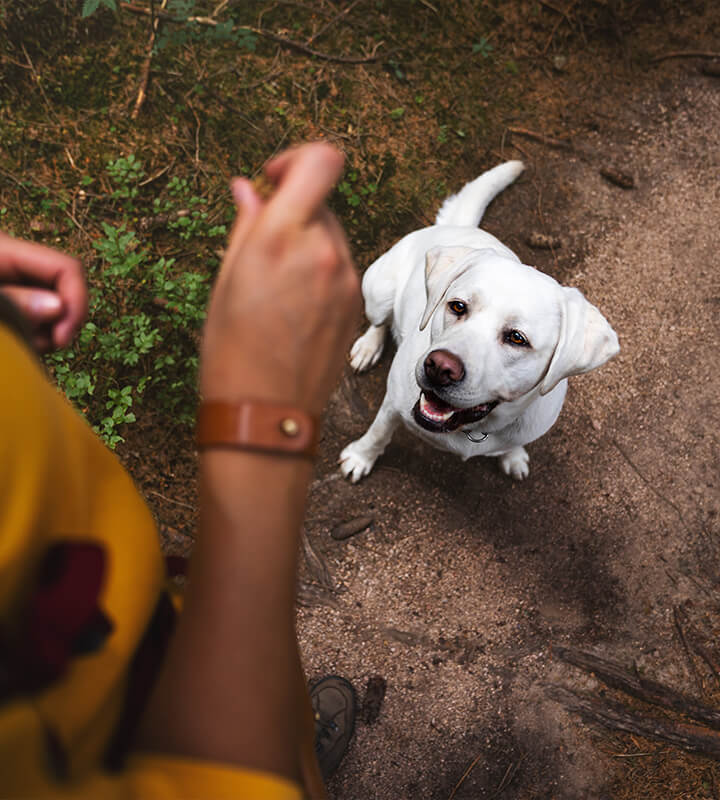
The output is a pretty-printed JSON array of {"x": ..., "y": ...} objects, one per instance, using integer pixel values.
[
  {"x": 366, "y": 351},
  {"x": 515, "y": 463},
  {"x": 358, "y": 458}
]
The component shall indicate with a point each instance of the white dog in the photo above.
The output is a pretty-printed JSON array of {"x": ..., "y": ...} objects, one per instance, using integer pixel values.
[{"x": 485, "y": 343}]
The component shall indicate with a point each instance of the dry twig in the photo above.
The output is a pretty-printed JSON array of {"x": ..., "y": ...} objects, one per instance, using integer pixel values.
[
  {"x": 38, "y": 81},
  {"x": 465, "y": 774},
  {"x": 172, "y": 500},
  {"x": 145, "y": 74},
  {"x": 686, "y": 647},
  {"x": 539, "y": 137},
  {"x": 684, "y": 54},
  {"x": 697, "y": 642},
  {"x": 335, "y": 19},
  {"x": 565, "y": 16},
  {"x": 290, "y": 44}
]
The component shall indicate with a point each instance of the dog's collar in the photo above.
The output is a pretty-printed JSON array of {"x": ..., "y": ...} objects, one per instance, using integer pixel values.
[{"x": 476, "y": 441}]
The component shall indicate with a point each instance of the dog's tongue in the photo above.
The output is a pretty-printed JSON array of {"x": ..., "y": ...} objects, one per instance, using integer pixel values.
[{"x": 435, "y": 409}]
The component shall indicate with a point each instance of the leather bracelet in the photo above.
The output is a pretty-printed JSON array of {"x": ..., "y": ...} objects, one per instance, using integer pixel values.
[{"x": 256, "y": 425}]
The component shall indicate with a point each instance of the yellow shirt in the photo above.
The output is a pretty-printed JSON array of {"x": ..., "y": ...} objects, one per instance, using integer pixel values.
[{"x": 62, "y": 490}]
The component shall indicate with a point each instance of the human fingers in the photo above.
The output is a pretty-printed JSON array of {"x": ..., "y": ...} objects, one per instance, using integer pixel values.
[
  {"x": 72, "y": 290},
  {"x": 248, "y": 204},
  {"x": 23, "y": 262},
  {"x": 303, "y": 177},
  {"x": 39, "y": 306}
]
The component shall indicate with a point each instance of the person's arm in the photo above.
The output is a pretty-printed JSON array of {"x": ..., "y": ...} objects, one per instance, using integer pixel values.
[{"x": 283, "y": 311}]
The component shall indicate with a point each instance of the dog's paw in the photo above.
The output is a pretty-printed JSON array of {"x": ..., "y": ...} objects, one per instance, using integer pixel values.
[
  {"x": 354, "y": 465},
  {"x": 515, "y": 463},
  {"x": 368, "y": 348}
]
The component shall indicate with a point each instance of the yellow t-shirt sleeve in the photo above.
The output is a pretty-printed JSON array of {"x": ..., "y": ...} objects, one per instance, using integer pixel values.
[
  {"x": 156, "y": 777},
  {"x": 59, "y": 483}
]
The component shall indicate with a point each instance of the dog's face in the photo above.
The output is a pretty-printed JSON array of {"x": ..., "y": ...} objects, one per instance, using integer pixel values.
[{"x": 501, "y": 333}]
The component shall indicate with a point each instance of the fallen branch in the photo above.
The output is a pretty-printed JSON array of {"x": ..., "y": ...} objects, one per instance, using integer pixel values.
[
  {"x": 38, "y": 81},
  {"x": 565, "y": 15},
  {"x": 557, "y": 10},
  {"x": 301, "y": 48},
  {"x": 539, "y": 137},
  {"x": 615, "y": 716},
  {"x": 685, "y": 54},
  {"x": 319, "y": 588},
  {"x": 145, "y": 74},
  {"x": 683, "y": 640},
  {"x": 614, "y": 675},
  {"x": 290, "y": 44},
  {"x": 697, "y": 641},
  {"x": 335, "y": 19}
]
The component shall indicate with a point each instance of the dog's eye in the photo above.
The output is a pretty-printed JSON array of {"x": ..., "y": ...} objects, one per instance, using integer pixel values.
[
  {"x": 457, "y": 307},
  {"x": 516, "y": 338}
]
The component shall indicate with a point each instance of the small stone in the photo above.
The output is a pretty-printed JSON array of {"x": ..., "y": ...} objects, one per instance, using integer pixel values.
[
  {"x": 543, "y": 241},
  {"x": 351, "y": 527},
  {"x": 711, "y": 68},
  {"x": 615, "y": 176}
]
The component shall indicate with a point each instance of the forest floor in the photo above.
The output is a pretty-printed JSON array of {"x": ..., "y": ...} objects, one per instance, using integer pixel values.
[{"x": 453, "y": 607}]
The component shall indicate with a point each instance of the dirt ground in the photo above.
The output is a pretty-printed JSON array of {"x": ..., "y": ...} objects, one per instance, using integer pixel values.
[
  {"x": 449, "y": 608},
  {"x": 464, "y": 581}
]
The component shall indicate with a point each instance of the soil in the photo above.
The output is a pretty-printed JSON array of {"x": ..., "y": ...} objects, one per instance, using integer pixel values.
[
  {"x": 444, "y": 593},
  {"x": 466, "y": 580}
]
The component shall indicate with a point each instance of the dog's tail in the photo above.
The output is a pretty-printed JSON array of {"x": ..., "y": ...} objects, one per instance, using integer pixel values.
[{"x": 468, "y": 205}]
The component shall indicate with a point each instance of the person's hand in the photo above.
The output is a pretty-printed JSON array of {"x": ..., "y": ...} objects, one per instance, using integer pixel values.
[
  {"x": 48, "y": 288},
  {"x": 286, "y": 302}
]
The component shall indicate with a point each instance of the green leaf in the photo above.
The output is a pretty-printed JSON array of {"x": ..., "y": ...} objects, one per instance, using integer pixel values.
[
  {"x": 483, "y": 47},
  {"x": 89, "y": 7}
]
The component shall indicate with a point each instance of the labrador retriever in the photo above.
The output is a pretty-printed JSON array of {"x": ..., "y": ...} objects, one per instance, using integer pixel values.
[{"x": 485, "y": 343}]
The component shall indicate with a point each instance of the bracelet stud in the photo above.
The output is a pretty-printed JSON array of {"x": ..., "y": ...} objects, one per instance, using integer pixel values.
[{"x": 289, "y": 426}]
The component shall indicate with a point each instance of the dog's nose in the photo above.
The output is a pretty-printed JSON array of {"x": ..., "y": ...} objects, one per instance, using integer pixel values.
[{"x": 443, "y": 368}]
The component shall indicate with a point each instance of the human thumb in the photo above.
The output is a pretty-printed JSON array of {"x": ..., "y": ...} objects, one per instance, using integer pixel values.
[{"x": 40, "y": 306}]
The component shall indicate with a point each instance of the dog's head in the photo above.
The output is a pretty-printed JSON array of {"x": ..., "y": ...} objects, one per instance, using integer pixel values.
[{"x": 502, "y": 333}]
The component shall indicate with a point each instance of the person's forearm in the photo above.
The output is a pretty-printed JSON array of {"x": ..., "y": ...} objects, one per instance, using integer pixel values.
[
  {"x": 229, "y": 688},
  {"x": 281, "y": 315}
]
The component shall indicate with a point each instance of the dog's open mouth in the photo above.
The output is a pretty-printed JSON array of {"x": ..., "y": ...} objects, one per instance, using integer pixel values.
[{"x": 436, "y": 415}]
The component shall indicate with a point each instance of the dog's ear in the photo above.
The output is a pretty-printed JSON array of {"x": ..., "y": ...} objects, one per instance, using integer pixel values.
[
  {"x": 442, "y": 266},
  {"x": 586, "y": 340}
]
